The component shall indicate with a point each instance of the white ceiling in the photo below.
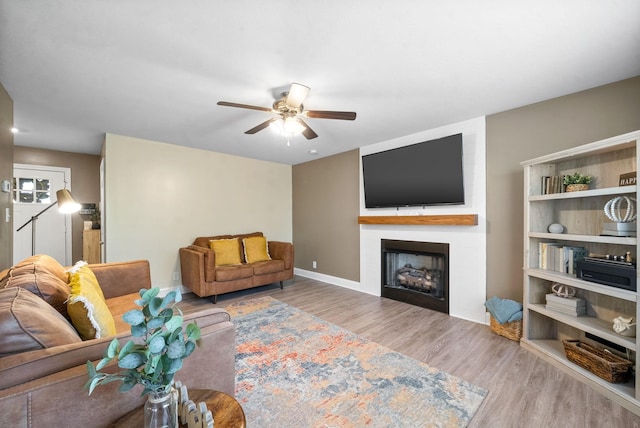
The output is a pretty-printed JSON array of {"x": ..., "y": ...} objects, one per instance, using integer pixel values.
[{"x": 155, "y": 69}]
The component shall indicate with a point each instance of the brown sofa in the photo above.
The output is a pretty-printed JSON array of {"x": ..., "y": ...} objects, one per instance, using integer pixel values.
[
  {"x": 45, "y": 387},
  {"x": 201, "y": 275}
]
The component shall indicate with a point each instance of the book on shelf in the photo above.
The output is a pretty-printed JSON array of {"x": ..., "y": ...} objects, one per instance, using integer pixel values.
[
  {"x": 546, "y": 255},
  {"x": 566, "y": 310},
  {"x": 552, "y": 184},
  {"x": 572, "y": 302},
  {"x": 555, "y": 256}
]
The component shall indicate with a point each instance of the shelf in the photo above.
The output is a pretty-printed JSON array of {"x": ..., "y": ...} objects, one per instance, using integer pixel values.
[
  {"x": 609, "y": 191},
  {"x": 420, "y": 220},
  {"x": 599, "y": 327},
  {"x": 554, "y": 350},
  {"x": 565, "y": 278},
  {"x": 599, "y": 239}
]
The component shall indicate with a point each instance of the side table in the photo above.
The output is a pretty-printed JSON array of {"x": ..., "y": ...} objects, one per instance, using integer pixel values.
[{"x": 227, "y": 412}]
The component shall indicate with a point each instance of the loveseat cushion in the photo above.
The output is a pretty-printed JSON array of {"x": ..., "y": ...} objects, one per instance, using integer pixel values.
[
  {"x": 29, "y": 323},
  {"x": 255, "y": 249},
  {"x": 227, "y": 251},
  {"x": 87, "y": 307},
  {"x": 232, "y": 273},
  {"x": 267, "y": 267}
]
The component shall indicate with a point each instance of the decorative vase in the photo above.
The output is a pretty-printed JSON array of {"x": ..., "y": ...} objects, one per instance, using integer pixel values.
[
  {"x": 161, "y": 410},
  {"x": 577, "y": 187}
]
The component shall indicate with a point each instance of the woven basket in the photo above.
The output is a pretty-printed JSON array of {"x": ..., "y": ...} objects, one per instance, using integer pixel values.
[
  {"x": 603, "y": 364},
  {"x": 511, "y": 330}
]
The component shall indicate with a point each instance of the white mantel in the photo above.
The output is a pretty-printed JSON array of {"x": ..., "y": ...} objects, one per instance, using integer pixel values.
[{"x": 467, "y": 243}]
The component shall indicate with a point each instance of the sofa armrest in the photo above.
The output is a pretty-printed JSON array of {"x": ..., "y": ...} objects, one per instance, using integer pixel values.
[
  {"x": 282, "y": 251},
  {"x": 197, "y": 265},
  {"x": 120, "y": 278},
  {"x": 27, "y": 366}
]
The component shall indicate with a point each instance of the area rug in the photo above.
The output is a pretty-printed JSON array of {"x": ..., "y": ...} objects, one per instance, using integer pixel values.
[{"x": 296, "y": 370}]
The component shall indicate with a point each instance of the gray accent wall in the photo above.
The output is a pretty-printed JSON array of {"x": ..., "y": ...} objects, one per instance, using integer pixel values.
[
  {"x": 325, "y": 191},
  {"x": 531, "y": 131},
  {"x": 325, "y": 215},
  {"x": 85, "y": 182},
  {"x": 6, "y": 173}
]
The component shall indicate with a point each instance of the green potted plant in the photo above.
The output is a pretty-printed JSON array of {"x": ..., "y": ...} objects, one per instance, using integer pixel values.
[
  {"x": 154, "y": 361},
  {"x": 576, "y": 182}
]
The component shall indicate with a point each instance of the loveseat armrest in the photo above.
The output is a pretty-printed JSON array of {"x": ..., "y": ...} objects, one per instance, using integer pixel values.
[
  {"x": 197, "y": 266},
  {"x": 282, "y": 251},
  {"x": 121, "y": 278}
]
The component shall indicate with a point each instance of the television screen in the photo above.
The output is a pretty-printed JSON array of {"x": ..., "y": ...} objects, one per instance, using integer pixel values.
[{"x": 426, "y": 173}]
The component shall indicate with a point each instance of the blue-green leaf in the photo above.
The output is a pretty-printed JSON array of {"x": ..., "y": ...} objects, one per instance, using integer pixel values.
[
  {"x": 126, "y": 349},
  {"x": 188, "y": 349},
  {"x": 176, "y": 349},
  {"x": 133, "y": 317},
  {"x": 154, "y": 323},
  {"x": 131, "y": 361},
  {"x": 112, "y": 349},
  {"x": 193, "y": 331},
  {"x": 156, "y": 345},
  {"x": 155, "y": 306},
  {"x": 173, "y": 323},
  {"x": 173, "y": 366},
  {"x": 138, "y": 330}
]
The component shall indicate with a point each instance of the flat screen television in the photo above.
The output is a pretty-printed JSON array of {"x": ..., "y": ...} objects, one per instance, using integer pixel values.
[{"x": 426, "y": 173}]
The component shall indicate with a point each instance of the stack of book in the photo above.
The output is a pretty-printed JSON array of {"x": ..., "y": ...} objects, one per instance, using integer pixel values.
[
  {"x": 573, "y": 306},
  {"x": 555, "y": 256}
]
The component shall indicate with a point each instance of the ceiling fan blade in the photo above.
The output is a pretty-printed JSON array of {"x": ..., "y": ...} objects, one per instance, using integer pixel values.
[
  {"x": 261, "y": 126},
  {"x": 320, "y": 114},
  {"x": 308, "y": 132},
  {"x": 297, "y": 94},
  {"x": 228, "y": 104}
]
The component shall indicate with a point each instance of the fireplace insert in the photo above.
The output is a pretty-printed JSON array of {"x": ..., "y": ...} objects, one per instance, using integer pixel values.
[{"x": 416, "y": 273}]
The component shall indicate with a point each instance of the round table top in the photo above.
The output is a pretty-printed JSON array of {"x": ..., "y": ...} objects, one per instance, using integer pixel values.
[{"x": 227, "y": 412}]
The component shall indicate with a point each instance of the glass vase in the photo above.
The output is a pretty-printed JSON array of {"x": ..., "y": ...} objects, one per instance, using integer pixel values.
[{"x": 161, "y": 409}]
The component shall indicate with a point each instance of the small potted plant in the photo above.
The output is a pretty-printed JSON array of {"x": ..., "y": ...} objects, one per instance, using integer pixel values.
[
  {"x": 153, "y": 362},
  {"x": 576, "y": 182}
]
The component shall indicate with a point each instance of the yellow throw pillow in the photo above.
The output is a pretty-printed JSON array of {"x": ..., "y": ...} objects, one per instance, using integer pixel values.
[
  {"x": 227, "y": 251},
  {"x": 255, "y": 249},
  {"x": 87, "y": 307}
]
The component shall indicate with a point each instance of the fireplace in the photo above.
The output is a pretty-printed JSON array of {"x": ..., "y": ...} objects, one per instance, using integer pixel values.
[{"x": 416, "y": 273}]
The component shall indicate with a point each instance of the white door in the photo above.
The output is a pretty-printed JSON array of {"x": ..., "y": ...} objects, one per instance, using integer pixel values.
[{"x": 34, "y": 189}]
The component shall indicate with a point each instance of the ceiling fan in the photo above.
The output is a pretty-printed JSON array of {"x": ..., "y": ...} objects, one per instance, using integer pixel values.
[{"x": 290, "y": 111}]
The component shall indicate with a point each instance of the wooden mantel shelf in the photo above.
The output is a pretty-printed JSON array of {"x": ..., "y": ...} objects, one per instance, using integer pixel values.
[{"x": 433, "y": 220}]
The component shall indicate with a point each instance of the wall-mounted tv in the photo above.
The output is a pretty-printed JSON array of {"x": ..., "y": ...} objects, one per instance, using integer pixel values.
[{"x": 426, "y": 173}]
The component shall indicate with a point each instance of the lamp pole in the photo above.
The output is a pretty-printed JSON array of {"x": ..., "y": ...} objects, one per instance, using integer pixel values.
[{"x": 33, "y": 227}]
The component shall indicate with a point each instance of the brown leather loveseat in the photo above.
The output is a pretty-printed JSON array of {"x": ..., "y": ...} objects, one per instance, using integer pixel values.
[
  {"x": 205, "y": 275},
  {"x": 44, "y": 385}
]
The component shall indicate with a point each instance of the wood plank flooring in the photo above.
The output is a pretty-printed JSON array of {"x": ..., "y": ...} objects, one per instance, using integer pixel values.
[{"x": 524, "y": 390}]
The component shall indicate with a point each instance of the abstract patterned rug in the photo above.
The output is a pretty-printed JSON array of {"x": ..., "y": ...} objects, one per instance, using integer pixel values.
[{"x": 296, "y": 370}]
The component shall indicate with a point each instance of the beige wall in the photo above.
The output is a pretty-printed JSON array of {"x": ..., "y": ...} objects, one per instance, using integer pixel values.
[
  {"x": 325, "y": 215},
  {"x": 531, "y": 131},
  {"x": 6, "y": 173},
  {"x": 85, "y": 182},
  {"x": 159, "y": 197}
]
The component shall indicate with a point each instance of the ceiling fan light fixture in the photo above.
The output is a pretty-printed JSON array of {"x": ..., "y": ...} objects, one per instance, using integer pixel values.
[{"x": 288, "y": 127}]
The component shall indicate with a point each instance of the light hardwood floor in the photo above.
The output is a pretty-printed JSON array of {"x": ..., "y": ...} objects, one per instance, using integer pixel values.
[{"x": 524, "y": 390}]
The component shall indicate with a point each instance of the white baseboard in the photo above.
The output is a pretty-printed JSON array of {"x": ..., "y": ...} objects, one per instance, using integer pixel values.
[{"x": 346, "y": 283}]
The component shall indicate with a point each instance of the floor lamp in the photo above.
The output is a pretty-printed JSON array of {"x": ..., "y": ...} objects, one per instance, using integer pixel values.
[{"x": 66, "y": 205}]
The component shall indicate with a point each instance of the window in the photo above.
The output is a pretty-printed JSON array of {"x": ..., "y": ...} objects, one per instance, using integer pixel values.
[{"x": 31, "y": 190}]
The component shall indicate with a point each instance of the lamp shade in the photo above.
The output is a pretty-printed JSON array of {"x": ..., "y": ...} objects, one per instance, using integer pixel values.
[{"x": 66, "y": 204}]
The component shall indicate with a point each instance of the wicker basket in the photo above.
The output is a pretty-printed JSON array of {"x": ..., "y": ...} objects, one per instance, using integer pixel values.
[
  {"x": 511, "y": 330},
  {"x": 603, "y": 364}
]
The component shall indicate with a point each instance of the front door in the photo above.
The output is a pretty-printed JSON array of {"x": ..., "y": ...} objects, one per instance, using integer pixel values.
[{"x": 34, "y": 189}]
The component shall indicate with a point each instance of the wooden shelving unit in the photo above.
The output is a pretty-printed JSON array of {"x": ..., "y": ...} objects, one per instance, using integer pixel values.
[{"x": 582, "y": 215}]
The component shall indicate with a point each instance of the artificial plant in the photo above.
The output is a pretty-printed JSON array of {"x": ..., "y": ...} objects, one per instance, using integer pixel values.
[
  {"x": 164, "y": 345},
  {"x": 577, "y": 178}
]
